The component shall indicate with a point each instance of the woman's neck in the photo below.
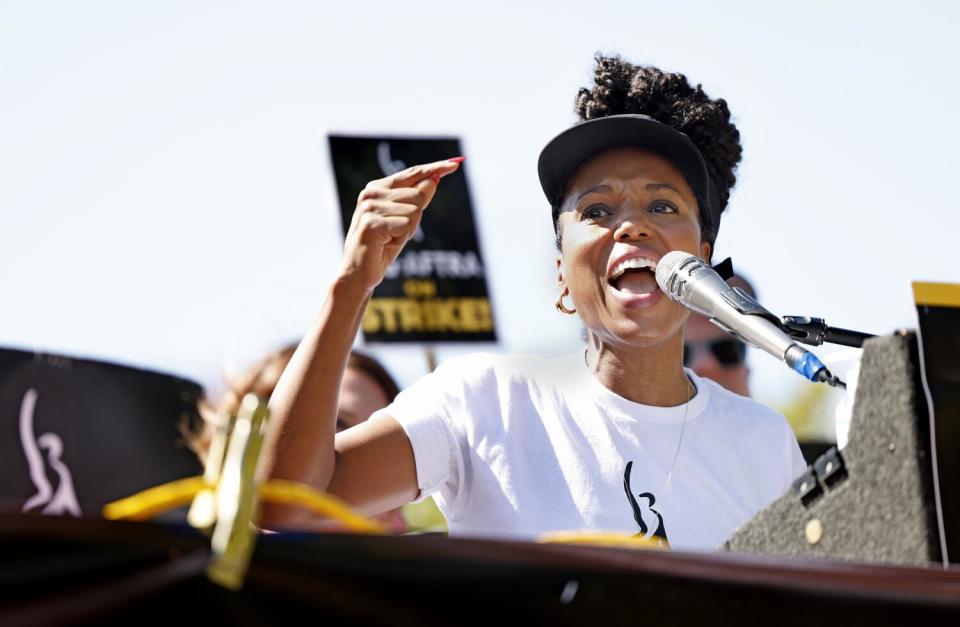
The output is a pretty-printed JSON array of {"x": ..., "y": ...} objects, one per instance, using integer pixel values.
[{"x": 652, "y": 375}]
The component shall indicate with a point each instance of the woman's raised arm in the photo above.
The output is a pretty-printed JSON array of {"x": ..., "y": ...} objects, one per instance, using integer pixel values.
[{"x": 370, "y": 465}]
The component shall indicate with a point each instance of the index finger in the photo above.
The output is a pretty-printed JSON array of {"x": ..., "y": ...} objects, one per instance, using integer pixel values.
[{"x": 413, "y": 175}]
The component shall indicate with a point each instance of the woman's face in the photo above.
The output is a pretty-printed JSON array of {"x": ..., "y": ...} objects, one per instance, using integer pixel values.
[
  {"x": 623, "y": 210},
  {"x": 360, "y": 396}
]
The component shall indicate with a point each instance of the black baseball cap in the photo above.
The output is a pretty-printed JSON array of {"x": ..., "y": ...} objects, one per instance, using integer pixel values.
[{"x": 568, "y": 150}]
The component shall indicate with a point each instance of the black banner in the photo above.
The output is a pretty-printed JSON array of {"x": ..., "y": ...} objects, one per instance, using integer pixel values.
[
  {"x": 436, "y": 290},
  {"x": 938, "y": 311},
  {"x": 76, "y": 434}
]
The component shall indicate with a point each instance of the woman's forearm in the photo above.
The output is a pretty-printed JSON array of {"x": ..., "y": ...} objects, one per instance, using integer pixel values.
[
  {"x": 303, "y": 407},
  {"x": 299, "y": 444}
]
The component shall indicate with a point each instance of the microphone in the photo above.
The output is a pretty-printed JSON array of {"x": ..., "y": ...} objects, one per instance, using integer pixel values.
[{"x": 689, "y": 281}]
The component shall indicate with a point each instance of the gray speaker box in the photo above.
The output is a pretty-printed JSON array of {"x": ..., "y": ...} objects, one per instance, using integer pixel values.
[{"x": 872, "y": 501}]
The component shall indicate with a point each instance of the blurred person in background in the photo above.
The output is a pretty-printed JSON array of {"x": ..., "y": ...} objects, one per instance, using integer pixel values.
[
  {"x": 366, "y": 387},
  {"x": 715, "y": 354}
]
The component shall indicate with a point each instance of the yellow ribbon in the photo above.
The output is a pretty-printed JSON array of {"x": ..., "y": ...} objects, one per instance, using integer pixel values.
[
  {"x": 162, "y": 498},
  {"x": 602, "y": 538}
]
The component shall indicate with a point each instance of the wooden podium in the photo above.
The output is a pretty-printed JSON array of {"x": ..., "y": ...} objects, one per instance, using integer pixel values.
[{"x": 85, "y": 571}]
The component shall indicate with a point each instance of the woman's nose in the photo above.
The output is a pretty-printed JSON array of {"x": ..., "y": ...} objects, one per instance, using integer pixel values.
[{"x": 632, "y": 226}]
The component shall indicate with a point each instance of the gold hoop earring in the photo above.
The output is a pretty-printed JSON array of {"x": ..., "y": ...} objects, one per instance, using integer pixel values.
[{"x": 563, "y": 308}]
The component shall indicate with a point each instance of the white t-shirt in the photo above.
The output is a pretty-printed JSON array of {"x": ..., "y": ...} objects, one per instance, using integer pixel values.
[{"x": 515, "y": 446}]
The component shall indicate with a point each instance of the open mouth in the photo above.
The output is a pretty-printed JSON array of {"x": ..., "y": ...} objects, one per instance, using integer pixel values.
[{"x": 634, "y": 277}]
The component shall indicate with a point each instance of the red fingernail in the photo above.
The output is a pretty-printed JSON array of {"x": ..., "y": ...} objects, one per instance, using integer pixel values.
[
  {"x": 435, "y": 178},
  {"x": 456, "y": 160}
]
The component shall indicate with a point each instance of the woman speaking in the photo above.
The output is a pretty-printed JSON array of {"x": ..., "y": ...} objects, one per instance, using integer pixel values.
[{"x": 616, "y": 437}]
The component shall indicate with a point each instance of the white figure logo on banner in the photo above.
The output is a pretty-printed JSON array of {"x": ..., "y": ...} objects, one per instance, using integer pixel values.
[{"x": 64, "y": 500}]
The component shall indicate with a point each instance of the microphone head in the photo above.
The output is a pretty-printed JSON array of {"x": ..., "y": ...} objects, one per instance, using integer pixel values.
[{"x": 669, "y": 271}]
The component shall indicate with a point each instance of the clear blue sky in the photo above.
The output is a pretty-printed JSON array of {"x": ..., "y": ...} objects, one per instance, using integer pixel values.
[{"x": 166, "y": 197}]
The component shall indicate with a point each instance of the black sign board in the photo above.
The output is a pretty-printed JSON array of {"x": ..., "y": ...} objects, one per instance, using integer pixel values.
[
  {"x": 436, "y": 291},
  {"x": 76, "y": 434},
  {"x": 938, "y": 311}
]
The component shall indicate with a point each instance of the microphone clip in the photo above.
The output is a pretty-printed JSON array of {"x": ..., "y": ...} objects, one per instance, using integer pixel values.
[
  {"x": 815, "y": 331},
  {"x": 747, "y": 305}
]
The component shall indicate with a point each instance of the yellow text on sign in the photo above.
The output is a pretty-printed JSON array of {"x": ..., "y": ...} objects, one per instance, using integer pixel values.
[
  {"x": 419, "y": 287},
  {"x": 409, "y": 315}
]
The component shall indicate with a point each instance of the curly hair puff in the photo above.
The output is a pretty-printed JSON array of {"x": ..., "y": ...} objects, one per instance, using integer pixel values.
[{"x": 622, "y": 87}]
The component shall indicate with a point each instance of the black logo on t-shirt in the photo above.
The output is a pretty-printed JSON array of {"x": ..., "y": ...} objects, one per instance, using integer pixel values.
[{"x": 658, "y": 530}]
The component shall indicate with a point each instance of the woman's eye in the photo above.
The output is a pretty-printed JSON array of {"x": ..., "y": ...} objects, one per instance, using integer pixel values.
[
  {"x": 662, "y": 207},
  {"x": 595, "y": 212}
]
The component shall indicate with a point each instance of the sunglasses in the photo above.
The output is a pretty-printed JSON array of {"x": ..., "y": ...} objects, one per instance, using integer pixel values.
[{"x": 728, "y": 352}]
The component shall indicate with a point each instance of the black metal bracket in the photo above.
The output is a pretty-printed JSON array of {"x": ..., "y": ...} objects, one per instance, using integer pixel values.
[
  {"x": 807, "y": 487},
  {"x": 815, "y": 331},
  {"x": 826, "y": 473},
  {"x": 830, "y": 468}
]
